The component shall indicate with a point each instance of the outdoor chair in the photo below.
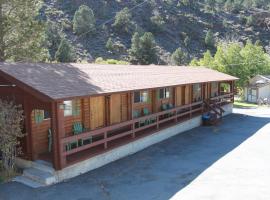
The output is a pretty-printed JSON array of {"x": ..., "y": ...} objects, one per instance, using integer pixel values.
[
  {"x": 145, "y": 113},
  {"x": 136, "y": 114}
]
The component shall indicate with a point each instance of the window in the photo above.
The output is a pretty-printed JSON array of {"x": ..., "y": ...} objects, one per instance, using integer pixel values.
[
  {"x": 214, "y": 89},
  {"x": 41, "y": 115},
  {"x": 197, "y": 92},
  {"x": 68, "y": 108},
  {"x": 140, "y": 97},
  {"x": 164, "y": 93}
]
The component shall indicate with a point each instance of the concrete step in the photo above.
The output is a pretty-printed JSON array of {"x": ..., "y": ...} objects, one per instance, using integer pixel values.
[
  {"x": 43, "y": 166},
  {"x": 40, "y": 176},
  {"x": 29, "y": 182}
]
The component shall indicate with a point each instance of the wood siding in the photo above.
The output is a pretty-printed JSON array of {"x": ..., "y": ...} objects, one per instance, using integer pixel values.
[
  {"x": 97, "y": 112},
  {"x": 40, "y": 135}
]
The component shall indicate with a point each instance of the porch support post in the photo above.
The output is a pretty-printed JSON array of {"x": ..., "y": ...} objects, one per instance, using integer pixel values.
[
  {"x": 28, "y": 129},
  {"x": 58, "y": 131}
]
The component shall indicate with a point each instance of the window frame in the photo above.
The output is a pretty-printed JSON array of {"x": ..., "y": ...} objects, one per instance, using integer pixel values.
[
  {"x": 164, "y": 93},
  {"x": 68, "y": 112},
  {"x": 143, "y": 96}
]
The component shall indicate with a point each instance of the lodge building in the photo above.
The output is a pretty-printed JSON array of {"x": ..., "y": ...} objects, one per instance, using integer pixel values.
[{"x": 75, "y": 112}]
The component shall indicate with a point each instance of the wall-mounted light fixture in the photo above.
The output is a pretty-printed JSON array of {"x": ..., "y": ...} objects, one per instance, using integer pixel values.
[{"x": 13, "y": 85}]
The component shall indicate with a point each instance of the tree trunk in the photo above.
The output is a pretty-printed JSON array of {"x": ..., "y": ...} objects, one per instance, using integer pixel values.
[{"x": 2, "y": 44}]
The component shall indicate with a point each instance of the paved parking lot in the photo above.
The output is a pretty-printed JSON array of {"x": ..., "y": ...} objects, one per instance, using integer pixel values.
[{"x": 229, "y": 161}]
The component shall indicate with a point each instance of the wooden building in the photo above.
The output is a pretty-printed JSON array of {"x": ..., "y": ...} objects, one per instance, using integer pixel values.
[{"x": 77, "y": 111}]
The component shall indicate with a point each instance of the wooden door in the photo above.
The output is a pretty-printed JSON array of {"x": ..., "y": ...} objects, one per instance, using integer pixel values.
[
  {"x": 115, "y": 108},
  {"x": 97, "y": 112}
]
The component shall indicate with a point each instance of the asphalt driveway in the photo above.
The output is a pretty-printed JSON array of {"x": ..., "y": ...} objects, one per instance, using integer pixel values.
[{"x": 229, "y": 161}]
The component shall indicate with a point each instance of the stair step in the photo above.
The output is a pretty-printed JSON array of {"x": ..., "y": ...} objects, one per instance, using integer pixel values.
[
  {"x": 40, "y": 176},
  {"x": 43, "y": 166},
  {"x": 29, "y": 182}
]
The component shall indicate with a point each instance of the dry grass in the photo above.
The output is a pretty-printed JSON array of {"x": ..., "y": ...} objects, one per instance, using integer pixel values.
[{"x": 5, "y": 175}]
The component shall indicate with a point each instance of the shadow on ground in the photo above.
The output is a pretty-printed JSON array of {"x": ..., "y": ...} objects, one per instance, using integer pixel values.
[{"x": 158, "y": 172}]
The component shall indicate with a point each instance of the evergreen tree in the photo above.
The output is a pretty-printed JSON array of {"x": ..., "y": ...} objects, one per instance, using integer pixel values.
[
  {"x": 143, "y": 49},
  {"x": 53, "y": 38},
  {"x": 109, "y": 45},
  {"x": 65, "y": 52},
  {"x": 178, "y": 57},
  {"x": 21, "y": 34},
  {"x": 122, "y": 20},
  {"x": 84, "y": 21},
  {"x": 209, "y": 39}
]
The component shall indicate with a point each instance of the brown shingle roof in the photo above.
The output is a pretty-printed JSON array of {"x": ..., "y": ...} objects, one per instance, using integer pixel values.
[{"x": 62, "y": 81}]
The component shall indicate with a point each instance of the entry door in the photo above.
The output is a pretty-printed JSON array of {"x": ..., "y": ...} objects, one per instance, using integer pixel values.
[
  {"x": 97, "y": 112},
  {"x": 115, "y": 108},
  {"x": 187, "y": 94},
  {"x": 179, "y": 95}
]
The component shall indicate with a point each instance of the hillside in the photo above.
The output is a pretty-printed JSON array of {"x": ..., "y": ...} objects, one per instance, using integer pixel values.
[{"x": 183, "y": 25}]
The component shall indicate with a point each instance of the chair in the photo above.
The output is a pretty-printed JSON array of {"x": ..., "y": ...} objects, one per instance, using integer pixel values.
[
  {"x": 77, "y": 128},
  {"x": 135, "y": 115},
  {"x": 146, "y": 112},
  {"x": 164, "y": 107}
]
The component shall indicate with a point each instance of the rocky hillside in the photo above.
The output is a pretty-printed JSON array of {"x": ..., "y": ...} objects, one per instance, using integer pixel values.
[{"x": 181, "y": 25}]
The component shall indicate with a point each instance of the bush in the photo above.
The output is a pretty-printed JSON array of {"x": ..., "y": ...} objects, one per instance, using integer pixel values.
[
  {"x": 11, "y": 117},
  {"x": 250, "y": 20},
  {"x": 122, "y": 20},
  {"x": 157, "y": 22},
  {"x": 109, "y": 45},
  {"x": 84, "y": 21},
  {"x": 65, "y": 52},
  {"x": 100, "y": 60},
  {"x": 178, "y": 57},
  {"x": 143, "y": 49},
  {"x": 209, "y": 39}
]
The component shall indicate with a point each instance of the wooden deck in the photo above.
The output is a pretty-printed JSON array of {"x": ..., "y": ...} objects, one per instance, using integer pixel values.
[{"x": 107, "y": 138}]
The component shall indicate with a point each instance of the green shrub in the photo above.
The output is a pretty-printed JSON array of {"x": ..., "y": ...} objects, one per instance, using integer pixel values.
[
  {"x": 250, "y": 20},
  {"x": 100, "y": 60},
  {"x": 157, "y": 22},
  {"x": 65, "y": 52},
  {"x": 178, "y": 57},
  {"x": 109, "y": 45},
  {"x": 209, "y": 39},
  {"x": 122, "y": 20},
  {"x": 84, "y": 21}
]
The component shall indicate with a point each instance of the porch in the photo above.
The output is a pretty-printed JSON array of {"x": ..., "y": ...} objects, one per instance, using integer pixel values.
[{"x": 110, "y": 137}]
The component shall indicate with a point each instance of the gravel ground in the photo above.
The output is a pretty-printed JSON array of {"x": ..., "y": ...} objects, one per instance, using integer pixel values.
[{"x": 228, "y": 161}]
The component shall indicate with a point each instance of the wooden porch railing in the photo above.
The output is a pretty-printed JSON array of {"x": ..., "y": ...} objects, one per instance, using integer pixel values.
[{"x": 133, "y": 126}]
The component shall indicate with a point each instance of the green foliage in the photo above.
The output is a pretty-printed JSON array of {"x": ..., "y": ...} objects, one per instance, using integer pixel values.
[
  {"x": 250, "y": 20},
  {"x": 109, "y": 45},
  {"x": 84, "y": 21},
  {"x": 65, "y": 52},
  {"x": 122, "y": 20},
  {"x": 240, "y": 61},
  {"x": 209, "y": 39},
  {"x": 178, "y": 57},
  {"x": 53, "y": 38},
  {"x": 143, "y": 49},
  {"x": 100, "y": 60},
  {"x": 21, "y": 33},
  {"x": 11, "y": 117},
  {"x": 157, "y": 22}
]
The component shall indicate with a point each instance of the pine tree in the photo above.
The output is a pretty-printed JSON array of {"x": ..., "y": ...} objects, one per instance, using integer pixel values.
[
  {"x": 122, "y": 20},
  {"x": 84, "y": 21},
  {"x": 65, "y": 52},
  {"x": 209, "y": 39},
  {"x": 143, "y": 49},
  {"x": 22, "y": 35},
  {"x": 109, "y": 45},
  {"x": 178, "y": 57}
]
